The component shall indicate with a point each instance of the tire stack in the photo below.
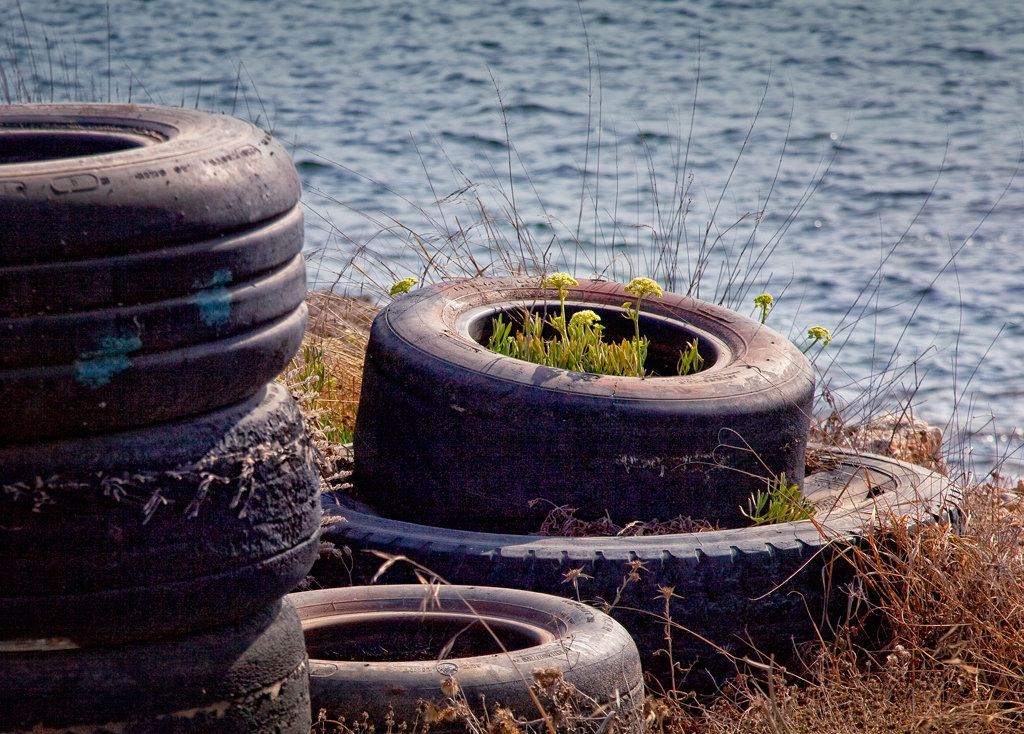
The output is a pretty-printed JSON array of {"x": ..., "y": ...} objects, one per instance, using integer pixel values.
[
  {"x": 459, "y": 498},
  {"x": 159, "y": 497}
]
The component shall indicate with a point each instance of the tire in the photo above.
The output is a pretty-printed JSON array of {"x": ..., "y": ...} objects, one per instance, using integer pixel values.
[
  {"x": 161, "y": 530},
  {"x": 151, "y": 275},
  {"x": 98, "y": 180},
  {"x": 410, "y": 624},
  {"x": 137, "y": 263},
  {"x": 242, "y": 678},
  {"x": 749, "y": 591},
  {"x": 113, "y": 389},
  {"x": 479, "y": 435},
  {"x": 206, "y": 314}
]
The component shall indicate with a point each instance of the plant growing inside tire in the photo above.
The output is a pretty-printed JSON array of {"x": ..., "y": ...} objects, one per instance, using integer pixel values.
[
  {"x": 503, "y": 431},
  {"x": 578, "y": 344}
]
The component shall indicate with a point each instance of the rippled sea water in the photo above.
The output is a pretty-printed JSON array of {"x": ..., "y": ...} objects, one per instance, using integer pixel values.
[{"x": 858, "y": 160}]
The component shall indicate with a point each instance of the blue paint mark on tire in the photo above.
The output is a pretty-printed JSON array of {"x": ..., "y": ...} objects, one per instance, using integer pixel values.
[
  {"x": 214, "y": 301},
  {"x": 95, "y": 368}
]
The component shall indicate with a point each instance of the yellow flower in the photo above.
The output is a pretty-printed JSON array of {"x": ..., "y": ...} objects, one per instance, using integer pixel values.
[
  {"x": 402, "y": 286},
  {"x": 640, "y": 287},
  {"x": 764, "y": 302},
  {"x": 585, "y": 317},
  {"x": 559, "y": 280},
  {"x": 819, "y": 334}
]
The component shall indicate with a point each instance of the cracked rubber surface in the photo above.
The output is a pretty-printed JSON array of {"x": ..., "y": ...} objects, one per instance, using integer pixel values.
[
  {"x": 161, "y": 530},
  {"x": 248, "y": 677}
]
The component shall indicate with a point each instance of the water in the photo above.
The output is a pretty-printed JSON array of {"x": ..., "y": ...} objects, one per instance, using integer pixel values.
[{"x": 859, "y": 160}]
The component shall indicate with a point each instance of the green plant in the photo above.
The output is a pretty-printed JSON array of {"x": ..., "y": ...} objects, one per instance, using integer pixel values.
[
  {"x": 781, "y": 502},
  {"x": 318, "y": 393},
  {"x": 578, "y": 344},
  {"x": 402, "y": 286},
  {"x": 764, "y": 303},
  {"x": 817, "y": 334},
  {"x": 690, "y": 359}
]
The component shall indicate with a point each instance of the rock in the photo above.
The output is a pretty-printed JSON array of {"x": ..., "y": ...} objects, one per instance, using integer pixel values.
[{"x": 902, "y": 437}]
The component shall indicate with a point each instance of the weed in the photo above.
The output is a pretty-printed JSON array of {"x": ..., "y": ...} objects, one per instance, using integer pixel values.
[
  {"x": 817, "y": 334},
  {"x": 780, "y": 502},
  {"x": 309, "y": 377},
  {"x": 763, "y": 303},
  {"x": 578, "y": 345},
  {"x": 690, "y": 359},
  {"x": 402, "y": 286},
  {"x": 326, "y": 376},
  {"x": 562, "y": 521}
]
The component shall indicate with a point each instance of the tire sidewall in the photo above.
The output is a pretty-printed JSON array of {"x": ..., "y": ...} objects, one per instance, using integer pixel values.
[
  {"x": 204, "y": 174},
  {"x": 747, "y": 591},
  {"x": 590, "y": 650}
]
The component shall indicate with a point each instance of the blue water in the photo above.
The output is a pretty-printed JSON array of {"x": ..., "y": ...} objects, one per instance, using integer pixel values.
[{"x": 859, "y": 160}]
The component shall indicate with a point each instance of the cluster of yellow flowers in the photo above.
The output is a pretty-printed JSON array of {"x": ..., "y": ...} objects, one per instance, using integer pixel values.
[
  {"x": 402, "y": 286},
  {"x": 561, "y": 281},
  {"x": 816, "y": 334},
  {"x": 641, "y": 287}
]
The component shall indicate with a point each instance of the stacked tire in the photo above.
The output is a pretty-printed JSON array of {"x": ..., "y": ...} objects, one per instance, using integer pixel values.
[
  {"x": 704, "y": 602},
  {"x": 159, "y": 493}
]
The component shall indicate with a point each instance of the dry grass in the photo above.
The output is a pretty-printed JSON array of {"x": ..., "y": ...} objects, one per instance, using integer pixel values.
[
  {"x": 561, "y": 521},
  {"x": 936, "y": 642},
  {"x": 326, "y": 375},
  {"x": 935, "y": 646}
]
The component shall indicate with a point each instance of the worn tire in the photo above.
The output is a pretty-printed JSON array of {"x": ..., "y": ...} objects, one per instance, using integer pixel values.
[
  {"x": 246, "y": 677},
  {"x": 97, "y": 180},
  {"x": 150, "y": 275},
  {"x": 136, "y": 260},
  {"x": 114, "y": 389},
  {"x": 204, "y": 315},
  {"x": 348, "y": 630},
  {"x": 750, "y": 590},
  {"x": 450, "y": 430},
  {"x": 160, "y": 530}
]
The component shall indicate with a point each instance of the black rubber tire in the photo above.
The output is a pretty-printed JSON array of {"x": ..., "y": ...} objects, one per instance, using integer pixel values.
[
  {"x": 152, "y": 275},
  {"x": 96, "y": 180},
  {"x": 161, "y": 530},
  {"x": 747, "y": 590},
  {"x": 412, "y": 623},
  {"x": 204, "y": 315},
  {"x": 112, "y": 389},
  {"x": 242, "y": 678},
  {"x": 479, "y": 435}
]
